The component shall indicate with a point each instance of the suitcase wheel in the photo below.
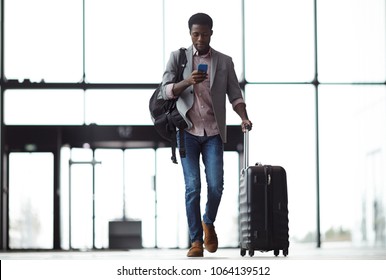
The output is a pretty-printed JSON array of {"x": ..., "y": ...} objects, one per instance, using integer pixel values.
[
  {"x": 243, "y": 252},
  {"x": 277, "y": 252},
  {"x": 285, "y": 252}
]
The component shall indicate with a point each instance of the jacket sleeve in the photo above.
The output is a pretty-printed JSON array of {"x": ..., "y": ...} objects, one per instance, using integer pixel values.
[
  {"x": 169, "y": 76},
  {"x": 234, "y": 92}
]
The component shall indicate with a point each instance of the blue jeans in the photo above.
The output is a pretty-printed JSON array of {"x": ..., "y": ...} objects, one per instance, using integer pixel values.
[{"x": 212, "y": 150}]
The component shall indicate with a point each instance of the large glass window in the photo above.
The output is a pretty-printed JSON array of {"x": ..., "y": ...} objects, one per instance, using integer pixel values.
[
  {"x": 123, "y": 41},
  {"x": 43, "y": 40},
  {"x": 352, "y": 161},
  {"x": 113, "y": 107},
  {"x": 45, "y": 107},
  {"x": 279, "y": 41},
  {"x": 351, "y": 41}
]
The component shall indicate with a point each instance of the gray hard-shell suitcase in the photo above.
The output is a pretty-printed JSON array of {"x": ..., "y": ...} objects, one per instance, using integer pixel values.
[{"x": 263, "y": 208}]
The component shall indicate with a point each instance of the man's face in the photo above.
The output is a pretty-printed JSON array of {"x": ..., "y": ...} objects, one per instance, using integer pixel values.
[{"x": 200, "y": 35}]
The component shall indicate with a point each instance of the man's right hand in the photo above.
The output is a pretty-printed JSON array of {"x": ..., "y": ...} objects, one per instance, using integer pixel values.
[{"x": 197, "y": 77}]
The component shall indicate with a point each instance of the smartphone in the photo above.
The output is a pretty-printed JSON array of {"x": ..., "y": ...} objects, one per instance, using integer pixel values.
[{"x": 202, "y": 68}]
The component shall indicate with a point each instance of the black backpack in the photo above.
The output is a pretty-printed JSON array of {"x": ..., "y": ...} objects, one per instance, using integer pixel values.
[{"x": 165, "y": 115}]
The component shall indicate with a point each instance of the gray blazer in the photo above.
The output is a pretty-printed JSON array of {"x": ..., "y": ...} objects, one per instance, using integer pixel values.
[{"x": 223, "y": 81}]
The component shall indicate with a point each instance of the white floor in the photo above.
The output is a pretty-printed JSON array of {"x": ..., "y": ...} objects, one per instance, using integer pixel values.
[
  {"x": 296, "y": 252},
  {"x": 301, "y": 263}
]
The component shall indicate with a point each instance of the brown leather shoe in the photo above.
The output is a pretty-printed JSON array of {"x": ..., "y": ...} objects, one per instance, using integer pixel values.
[
  {"x": 210, "y": 238},
  {"x": 196, "y": 250}
]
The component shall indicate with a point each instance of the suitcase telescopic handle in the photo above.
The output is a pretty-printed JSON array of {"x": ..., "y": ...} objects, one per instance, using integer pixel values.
[{"x": 246, "y": 146}]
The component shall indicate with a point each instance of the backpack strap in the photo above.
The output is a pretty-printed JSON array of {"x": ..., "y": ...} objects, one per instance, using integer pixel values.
[
  {"x": 174, "y": 145},
  {"x": 182, "y": 60}
]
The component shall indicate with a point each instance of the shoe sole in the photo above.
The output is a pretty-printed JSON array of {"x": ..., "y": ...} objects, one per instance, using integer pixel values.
[{"x": 211, "y": 251}]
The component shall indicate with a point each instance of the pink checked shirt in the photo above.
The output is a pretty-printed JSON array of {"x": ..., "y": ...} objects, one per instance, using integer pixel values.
[{"x": 201, "y": 114}]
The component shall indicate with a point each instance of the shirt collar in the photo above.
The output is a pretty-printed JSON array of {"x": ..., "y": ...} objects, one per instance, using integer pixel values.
[{"x": 195, "y": 52}]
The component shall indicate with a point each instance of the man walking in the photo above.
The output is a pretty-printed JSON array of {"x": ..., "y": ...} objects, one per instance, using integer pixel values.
[{"x": 201, "y": 101}]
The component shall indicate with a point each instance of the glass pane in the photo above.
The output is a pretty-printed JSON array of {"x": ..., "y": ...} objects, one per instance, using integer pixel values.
[
  {"x": 65, "y": 156},
  {"x": 81, "y": 200},
  {"x": 351, "y": 41},
  {"x": 172, "y": 229},
  {"x": 284, "y": 134},
  {"x": 227, "y": 23},
  {"x": 31, "y": 200},
  {"x": 115, "y": 107},
  {"x": 139, "y": 191},
  {"x": 124, "y": 41},
  {"x": 43, "y": 107},
  {"x": 352, "y": 164},
  {"x": 279, "y": 41},
  {"x": 108, "y": 192},
  {"x": 43, "y": 39}
]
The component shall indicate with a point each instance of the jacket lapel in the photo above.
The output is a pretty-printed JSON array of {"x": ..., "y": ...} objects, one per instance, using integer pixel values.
[
  {"x": 189, "y": 56},
  {"x": 213, "y": 68}
]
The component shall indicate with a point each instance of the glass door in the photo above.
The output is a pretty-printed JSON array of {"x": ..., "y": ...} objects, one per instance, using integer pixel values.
[
  {"x": 77, "y": 199},
  {"x": 102, "y": 186},
  {"x": 135, "y": 185},
  {"x": 31, "y": 200}
]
